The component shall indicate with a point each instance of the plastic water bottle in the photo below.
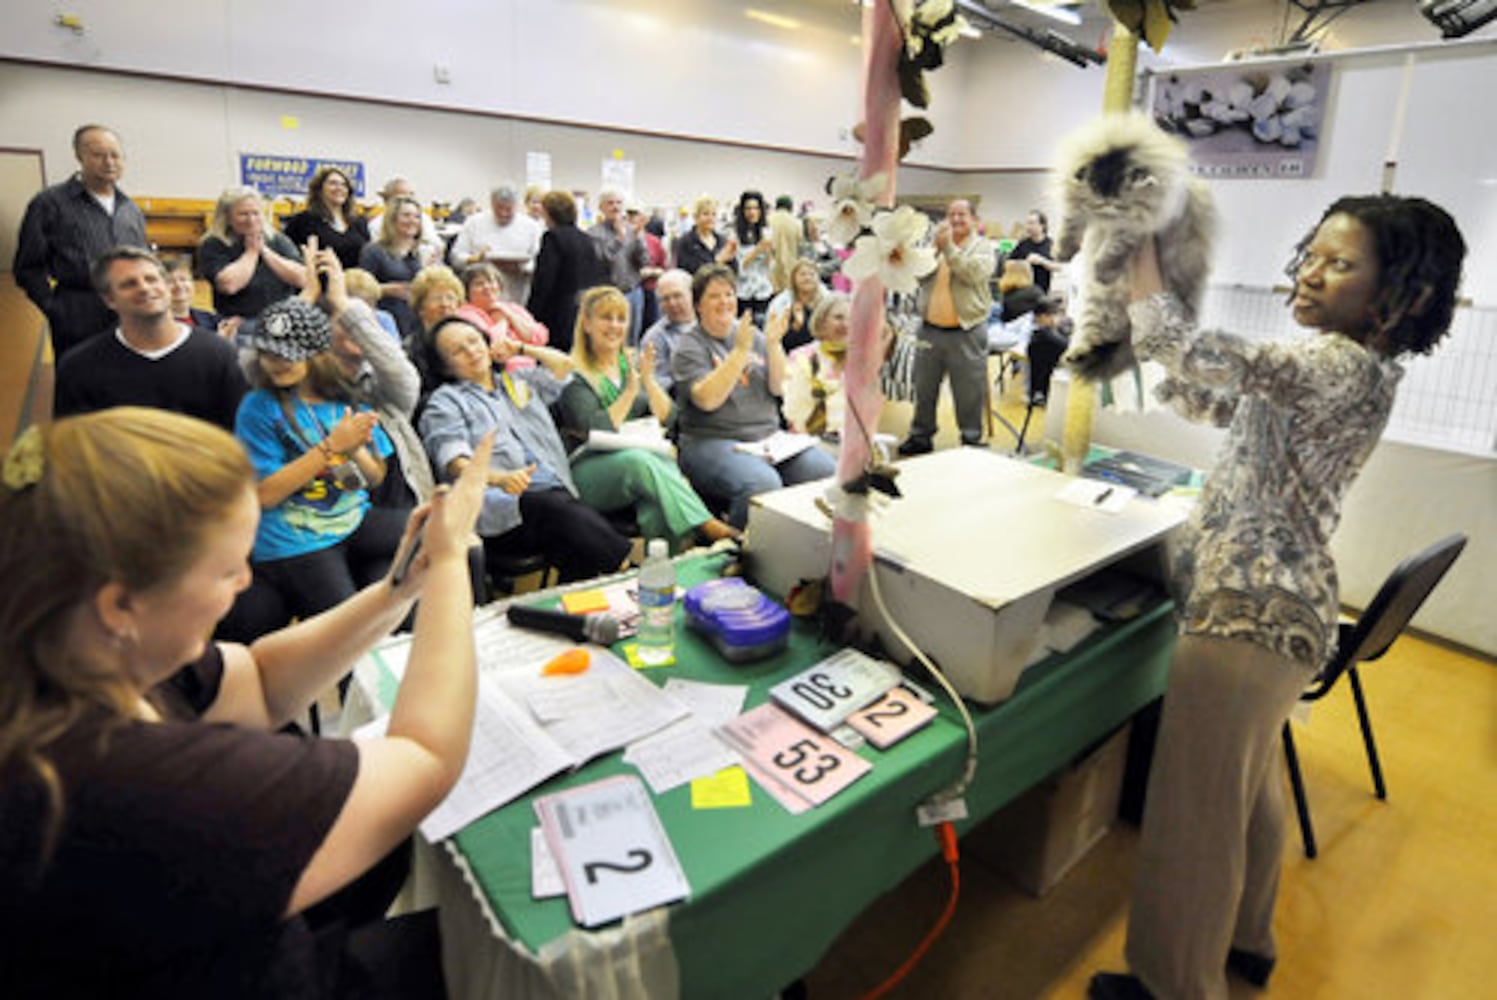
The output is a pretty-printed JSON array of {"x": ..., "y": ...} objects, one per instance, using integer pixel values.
[{"x": 657, "y": 605}]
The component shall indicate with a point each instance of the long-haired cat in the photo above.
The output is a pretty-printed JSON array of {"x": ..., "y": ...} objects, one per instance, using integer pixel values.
[{"x": 1123, "y": 180}]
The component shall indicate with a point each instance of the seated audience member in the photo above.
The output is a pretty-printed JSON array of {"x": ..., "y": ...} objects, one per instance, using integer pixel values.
[
  {"x": 610, "y": 387},
  {"x": 677, "y": 318},
  {"x": 800, "y": 299},
  {"x": 182, "y": 284},
  {"x": 1047, "y": 343},
  {"x": 162, "y": 837},
  {"x": 362, "y": 286},
  {"x": 814, "y": 401},
  {"x": 727, "y": 377},
  {"x": 316, "y": 454},
  {"x": 505, "y": 238},
  {"x": 394, "y": 258},
  {"x": 332, "y": 216},
  {"x": 531, "y": 501},
  {"x": 499, "y": 318},
  {"x": 568, "y": 263},
  {"x": 248, "y": 264},
  {"x": 702, "y": 244},
  {"x": 151, "y": 358}
]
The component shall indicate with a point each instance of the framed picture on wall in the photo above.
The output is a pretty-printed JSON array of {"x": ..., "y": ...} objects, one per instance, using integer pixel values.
[{"x": 1246, "y": 121}]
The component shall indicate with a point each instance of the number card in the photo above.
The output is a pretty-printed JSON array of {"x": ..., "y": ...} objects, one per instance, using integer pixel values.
[
  {"x": 809, "y": 764},
  {"x": 826, "y": 694},
  {"x": 890, "y": 719},
  {"x": 613, "y": 853}
]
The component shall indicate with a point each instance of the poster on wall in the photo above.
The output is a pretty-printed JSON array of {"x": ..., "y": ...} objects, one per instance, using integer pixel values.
[
  {"x": 618, "y": 174},
  {"x": 1246, "y": 121},
  {"x": 274, "y": 175},
  {"x": 538, "y": 170}
]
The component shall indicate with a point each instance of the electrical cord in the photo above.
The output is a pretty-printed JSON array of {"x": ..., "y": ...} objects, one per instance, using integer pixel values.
[
  {"x": 969, "y": 770},
  {"x": 946, "y": 834}
]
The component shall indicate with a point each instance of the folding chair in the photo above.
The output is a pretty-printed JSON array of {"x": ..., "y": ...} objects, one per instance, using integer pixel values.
[{"x": 1368, "y": 638}]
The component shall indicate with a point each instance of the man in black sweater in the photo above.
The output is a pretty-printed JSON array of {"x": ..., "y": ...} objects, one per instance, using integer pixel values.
[{"x": 151, "y": 359}]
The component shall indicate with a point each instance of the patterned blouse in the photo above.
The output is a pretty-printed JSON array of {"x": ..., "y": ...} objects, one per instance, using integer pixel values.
[{"x": 1253, "y": 562}]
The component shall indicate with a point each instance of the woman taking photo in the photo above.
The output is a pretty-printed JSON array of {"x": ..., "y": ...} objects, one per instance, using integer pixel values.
[
  {"x": 610, "y": 386},
  {"x": 248, "y": 264},
  {"x": 150, "y": 813},
  {"x": 332, "y": 216},
  {"x": 317, "y": 456},
  {"x": 728, "y": 376},
  {"x": 395, "y": 258},
  {"x": 814, "y": 400},
  {"x": 755, "y": 254},
  {"x": 531, "y": 502}
]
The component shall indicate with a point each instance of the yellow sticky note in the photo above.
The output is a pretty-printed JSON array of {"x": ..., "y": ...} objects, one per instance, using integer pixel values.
[
  {"x": 584, "y": 602},
  {"x": 290, "y": 122},
  {"x": 727, "y": 789},
  {"x": 631, "y": 653}
]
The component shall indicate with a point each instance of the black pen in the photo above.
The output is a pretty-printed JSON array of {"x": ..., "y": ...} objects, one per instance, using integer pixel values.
[{"x": 1103, "y": 495}]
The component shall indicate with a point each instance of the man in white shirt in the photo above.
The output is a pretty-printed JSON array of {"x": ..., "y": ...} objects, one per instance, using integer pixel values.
[
  {"x": 151, "y": 359},
  {"x": 507, "y": 238}
]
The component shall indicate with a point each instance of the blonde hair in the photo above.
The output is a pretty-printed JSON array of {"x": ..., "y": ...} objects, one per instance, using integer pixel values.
[
  {"x": 706, "y": 203},
  {"x": 436, "y": 277},
  {"x": 387, "y": 233},
  {"x": 361, "y": 285},
  {"x": 1016, "y": 274},
  {"x": 592, "y": 302},
  {"x": 218, "y": 226},
  {"x": 128, "y": 495}
]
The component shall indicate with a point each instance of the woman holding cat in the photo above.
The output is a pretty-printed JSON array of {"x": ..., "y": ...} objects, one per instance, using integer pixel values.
[{"x": 1254, "y": 575}]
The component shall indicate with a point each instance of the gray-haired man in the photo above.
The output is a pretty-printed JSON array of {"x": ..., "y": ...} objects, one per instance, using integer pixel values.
[{"x": 507, "y": 238}]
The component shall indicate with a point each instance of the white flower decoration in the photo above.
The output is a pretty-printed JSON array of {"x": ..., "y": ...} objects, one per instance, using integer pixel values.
[
  {"x": 890, "y": 253},
  {"x": 852, "y": 207},
  {"x": 932, "y": 11}
]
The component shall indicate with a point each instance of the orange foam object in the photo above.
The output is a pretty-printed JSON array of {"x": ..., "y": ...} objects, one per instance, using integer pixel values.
[{"x": 573, "y": 661}]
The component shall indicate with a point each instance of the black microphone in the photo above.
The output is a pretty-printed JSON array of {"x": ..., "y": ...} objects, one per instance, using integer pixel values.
[{"x": 602, "y": 629}]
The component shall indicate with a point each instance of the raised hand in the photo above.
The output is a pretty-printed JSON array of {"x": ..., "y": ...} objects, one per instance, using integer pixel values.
[
  {"x": 647, "y": 362},
  {"x": 352, "y": 431},
  {"x": 743, "y": 334},
  {"x": 776, "y": 327},
  {"x": 331, "y": 267}
]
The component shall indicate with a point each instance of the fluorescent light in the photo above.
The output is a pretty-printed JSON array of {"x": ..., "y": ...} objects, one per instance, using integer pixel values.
[
  {"x": 775, "y": 20},
  {"x": 1056, "y": 11}
]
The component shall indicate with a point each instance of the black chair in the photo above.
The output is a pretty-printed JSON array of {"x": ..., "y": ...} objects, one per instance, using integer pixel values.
[{"x": 1368, "y": 638}]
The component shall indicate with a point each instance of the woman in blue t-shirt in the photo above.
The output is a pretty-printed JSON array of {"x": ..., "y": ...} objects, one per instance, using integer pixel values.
[{"x": 316, "y": 456}]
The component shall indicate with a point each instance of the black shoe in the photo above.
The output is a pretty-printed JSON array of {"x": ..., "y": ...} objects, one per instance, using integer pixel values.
[
  {"x": 914, "y": 446},
  {"x": 1250, "y": 966},
  {"x": 1117, "y": 986}
]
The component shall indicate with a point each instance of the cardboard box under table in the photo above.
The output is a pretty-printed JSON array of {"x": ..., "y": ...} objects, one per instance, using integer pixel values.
[
  {"x": 770, "y": 892},
  {"x": 968, "y": 560}
]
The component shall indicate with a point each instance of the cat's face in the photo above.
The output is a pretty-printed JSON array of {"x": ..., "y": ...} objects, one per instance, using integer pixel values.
[{"x": 1124, "y": 171}]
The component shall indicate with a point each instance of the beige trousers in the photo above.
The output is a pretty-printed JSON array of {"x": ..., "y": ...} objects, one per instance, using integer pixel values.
[{"x": 1213, "y": 830}]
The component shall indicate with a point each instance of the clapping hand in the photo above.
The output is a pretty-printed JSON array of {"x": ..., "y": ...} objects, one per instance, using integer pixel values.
[
  {"x": 647, "y": 363},
  {"x": 352, "y": 431},
  {"x": 743, "y": 334},
  {"x": 776, "y": 327}
]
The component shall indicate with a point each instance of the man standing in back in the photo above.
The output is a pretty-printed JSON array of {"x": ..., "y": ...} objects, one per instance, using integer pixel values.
[
  {"x": 66, "y": 228},
  {"x": 624, "y": 254},
  {"x": 150, "y": 359},
  {"x": 507, "y": 238},
  {"x": 954, "y": 301}
]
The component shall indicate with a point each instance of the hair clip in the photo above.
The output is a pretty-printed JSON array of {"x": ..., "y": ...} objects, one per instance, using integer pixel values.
[{"x": 25, "y": 461}]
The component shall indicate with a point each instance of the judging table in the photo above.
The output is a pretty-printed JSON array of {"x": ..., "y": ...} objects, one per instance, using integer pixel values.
[{"x": 770, "y": 891}]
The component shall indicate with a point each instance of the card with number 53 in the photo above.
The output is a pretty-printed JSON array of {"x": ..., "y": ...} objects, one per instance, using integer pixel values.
[{"x": 812, "y": 765}]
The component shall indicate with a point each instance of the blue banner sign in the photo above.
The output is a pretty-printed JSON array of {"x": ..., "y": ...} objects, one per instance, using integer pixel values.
[{"x": 274, "y": 176}]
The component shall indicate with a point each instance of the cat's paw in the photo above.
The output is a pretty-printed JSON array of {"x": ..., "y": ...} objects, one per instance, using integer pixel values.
[{"x": 1098, "y": 362}]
